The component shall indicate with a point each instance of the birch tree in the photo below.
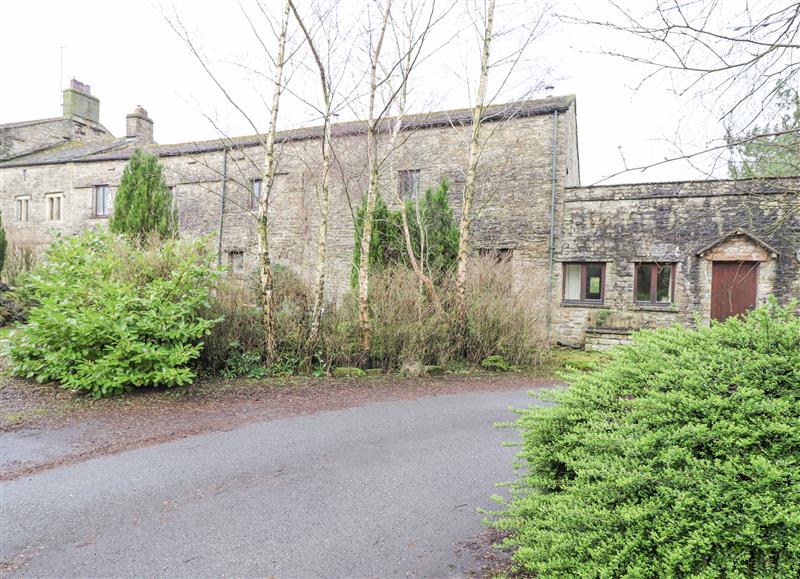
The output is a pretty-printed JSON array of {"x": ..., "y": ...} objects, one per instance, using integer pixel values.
[
  {"x": 268, "y": 179},
  {"x": 322, "y": 245},
  {"x": 266, "y": 141},
  {"x": 394, "y": 77},
  {"x": 472, "y": 168},
  {"x": 519, "y": 31}
]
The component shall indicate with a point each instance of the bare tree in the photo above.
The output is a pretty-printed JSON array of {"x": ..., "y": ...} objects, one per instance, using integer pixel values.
[
  {"x": 267, "y": 142},
  {"x": 472, "y": 167},
  {"x": 737, "y": 57},
  {"x": 265, "y": 267},
  {"x": 393, "y": 78},
  {"x": 519, "y": 35},
  {"x": 327, "y": 112}
]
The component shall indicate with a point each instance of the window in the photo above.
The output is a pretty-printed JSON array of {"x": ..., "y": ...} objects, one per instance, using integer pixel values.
[
  {"x": 255, "y": 193},
  {"x": 653, "y": 283},
  {"x": 500, "y": 255},
  {"x": 22, "y": 206},
  {"x": 54, "y": 201},
  {"x": 236, "y": 261},
  {"x": 584, "y": 282},
  {"x": 408, "y": 183},
  {"x": 102, "y": 200}
]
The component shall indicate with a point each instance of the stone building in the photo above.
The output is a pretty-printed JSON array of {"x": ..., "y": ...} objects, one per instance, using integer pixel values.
[{"x": 600, "y": 261}]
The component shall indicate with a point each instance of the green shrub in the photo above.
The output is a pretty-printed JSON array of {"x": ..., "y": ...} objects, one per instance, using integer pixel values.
[
  {"x": 108, "y": 316},
  {"x": 495, "y": 364},
  {"x": 679, "y": 457},
  {"x": 243, "y": 364}
]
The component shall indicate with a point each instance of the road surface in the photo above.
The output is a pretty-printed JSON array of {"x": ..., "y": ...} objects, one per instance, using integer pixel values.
[{"x": 386, "y": 489}]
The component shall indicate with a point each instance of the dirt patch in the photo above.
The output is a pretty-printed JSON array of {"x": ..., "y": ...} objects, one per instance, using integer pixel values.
[{"x": 86, "y": 428}]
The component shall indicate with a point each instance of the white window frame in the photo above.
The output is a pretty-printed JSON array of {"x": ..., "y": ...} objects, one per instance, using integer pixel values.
[
  {"x": 53, "y": 201},
  {"x": 22, "y": 208},
  {"x": 106, "y": 201}
]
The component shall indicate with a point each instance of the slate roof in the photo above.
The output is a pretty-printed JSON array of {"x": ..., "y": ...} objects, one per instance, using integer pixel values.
[{"x": 122, "y": 149}]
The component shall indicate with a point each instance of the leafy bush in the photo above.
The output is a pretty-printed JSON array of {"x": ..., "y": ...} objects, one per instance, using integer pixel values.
[
  {"x": 243, "y": 364},
  {"x": 495, "y": 364},
  {"x": 679, "y": 457},
  {"x": 432, "y": 228},
  {"x": 108, "y": 316}
]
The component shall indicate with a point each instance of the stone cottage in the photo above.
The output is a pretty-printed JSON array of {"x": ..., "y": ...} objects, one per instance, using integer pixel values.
[{"x": 600, "y": 260}]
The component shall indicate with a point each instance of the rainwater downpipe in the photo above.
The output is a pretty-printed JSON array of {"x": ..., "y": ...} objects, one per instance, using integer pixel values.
[
  {"x": 552, "y": 238},
  {"x": 222, "y": 204}
]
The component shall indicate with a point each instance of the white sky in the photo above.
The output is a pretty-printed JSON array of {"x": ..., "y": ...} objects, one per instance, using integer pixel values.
[{"x": 130, "y": 56}]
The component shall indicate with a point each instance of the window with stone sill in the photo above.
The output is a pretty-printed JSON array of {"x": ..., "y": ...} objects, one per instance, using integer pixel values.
[
  {"x": 102, "y": 200},
  {"x": 54, "y": 202},
  {"x": 22, "y": 208},
  {"x": 654, "y": 283},
  {"x": 584, "y": 282}
]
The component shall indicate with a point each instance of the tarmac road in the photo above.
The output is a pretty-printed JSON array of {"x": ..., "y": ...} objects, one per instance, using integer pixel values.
[{"x": 386, "y": 489}]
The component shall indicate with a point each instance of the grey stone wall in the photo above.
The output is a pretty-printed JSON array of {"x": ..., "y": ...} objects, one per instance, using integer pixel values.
[
  {"x": 622, "y": 225},
  {"x": 512, "y": 198}
]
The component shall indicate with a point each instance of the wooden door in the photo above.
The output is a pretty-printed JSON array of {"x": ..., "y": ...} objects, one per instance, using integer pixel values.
[{"x": 733, "y": 288}]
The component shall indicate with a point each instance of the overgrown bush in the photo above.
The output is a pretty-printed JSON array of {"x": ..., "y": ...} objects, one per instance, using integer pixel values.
[
  {"x": 406, "y": 328},
  {"x": 680, "y": 457},
  {"x": 240, "y": 336},
  {"x": 20, "y": 259},
  {"x": 108, "y": 316}
]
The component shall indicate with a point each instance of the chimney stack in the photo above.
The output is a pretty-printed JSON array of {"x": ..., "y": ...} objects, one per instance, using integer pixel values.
[
  {"x": 139, "y": 126},
  {"x": 79, "y": 102}
]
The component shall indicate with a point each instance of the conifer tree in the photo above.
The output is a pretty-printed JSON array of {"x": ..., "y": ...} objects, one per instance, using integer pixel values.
[{"x": 143, "y": 204}]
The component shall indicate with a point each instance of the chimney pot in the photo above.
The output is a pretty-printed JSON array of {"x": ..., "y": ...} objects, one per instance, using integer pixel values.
[
  {"x": 79, "y": 102},
  {"x": 139, "y": 126}
]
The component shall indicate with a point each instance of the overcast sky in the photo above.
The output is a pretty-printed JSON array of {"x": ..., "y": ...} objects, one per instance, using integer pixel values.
[{"x": 130, "y": 56}]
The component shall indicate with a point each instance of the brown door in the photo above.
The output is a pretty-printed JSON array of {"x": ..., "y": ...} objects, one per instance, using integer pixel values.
[{"x": 733, "y": 288}]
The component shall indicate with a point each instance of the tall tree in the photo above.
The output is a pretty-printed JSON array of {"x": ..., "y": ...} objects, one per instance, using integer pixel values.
[
  {"x": 327, "y": 154},
  {"x": 268, "y": 179},
  {"x": 472, "y": 169},
  {"x": 277, "y": 58},
  {"x": 737, "y": 58},
  {"x": 143, "y": 203}
]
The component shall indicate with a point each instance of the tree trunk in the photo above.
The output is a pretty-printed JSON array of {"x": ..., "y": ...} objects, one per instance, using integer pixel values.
[
  {"x": 268, "y": 178},
  {"x": 322, "y": 246},
  {"x": 469, "y": 185},
  {"x": 372, "y": 194}
]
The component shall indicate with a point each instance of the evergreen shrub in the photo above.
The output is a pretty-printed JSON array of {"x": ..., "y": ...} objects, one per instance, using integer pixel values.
[
  {"x": 109, "y": 316},
  {"x": 678, "y": 458}
]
